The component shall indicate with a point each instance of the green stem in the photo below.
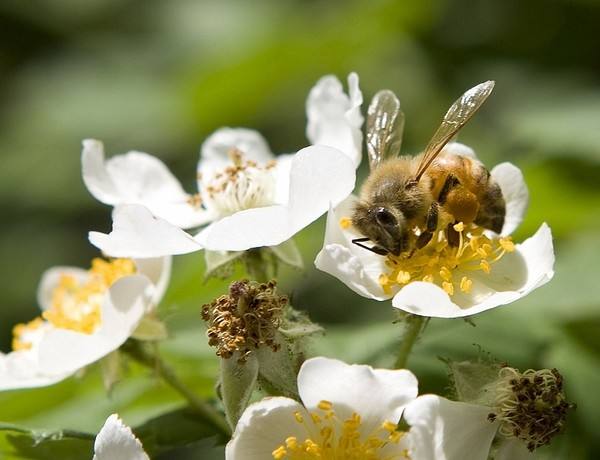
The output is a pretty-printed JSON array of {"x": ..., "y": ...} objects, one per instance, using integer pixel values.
[
  {"x": 256, "y": 266},
  {"x": 166, "y": 372},
  {"x": 414, "y": 325}
]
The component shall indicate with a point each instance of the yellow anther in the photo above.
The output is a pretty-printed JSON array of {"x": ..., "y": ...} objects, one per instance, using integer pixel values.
[
  {"x": 291, "y": 442},
  {"x": 279, "y": 453},
  {"x": 466, "y": 284},
  {"x": 428, "y": 278},
  {"x": 345, "y": 223},
  {"x": 445, "y": 274},
  {"x": 448, "y": 287},
  {"x": 315, "y": 418},
  {"x": 298, "y": 417},
  {"x": 460, "y": 227},
  {"x": 20, "y": 331},
  {"x": 325, "y": 405},
  {"x": 403, "y": 277},
  {"x": 384, "y": 282},
  {"x": 507, "y": 244},
  {"x": 389, "y": 426},
  {"x": 485, "y": 266}
]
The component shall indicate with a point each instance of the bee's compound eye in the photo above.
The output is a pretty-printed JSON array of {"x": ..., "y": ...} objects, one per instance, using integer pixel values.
[{"x": 384, "y": 217}]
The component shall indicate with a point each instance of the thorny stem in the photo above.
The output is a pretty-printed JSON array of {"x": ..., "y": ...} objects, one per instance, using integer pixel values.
[
  {"x": 153, "y": 361},
  {"x": 413, "y": 327}
]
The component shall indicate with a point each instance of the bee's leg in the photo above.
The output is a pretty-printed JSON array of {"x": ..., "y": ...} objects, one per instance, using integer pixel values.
[
  {"x": 431, "y": 223},
  {"x": 376, "y": 249},
  {"x": 450, "y": 182},
  {"x": 452, "y": 235}
]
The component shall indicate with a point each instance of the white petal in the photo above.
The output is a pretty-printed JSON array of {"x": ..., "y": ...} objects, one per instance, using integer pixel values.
[
  {"x": 137, "y": 233},
  {"x": 448, "y": 430},
  {"x": 158, "y": 271},
  {"x": 138, "y": 178},
  {"x": 126, "y": 301},
  {"x": 334, "y": 118},
  {"x": 214, "y": 153},
  {"x": 356, "y": 267},
  {"x": 515, "y": 193},
  {"x": 20, "y": 369},
  {"x": 377, "y": 395},
  {"x": 513, "y": 277},
  {"x": 51, "y": 278},
  {"x": 263, "y": 427},
  {"x": 456, "y": 148},
  {"x": 513, "y": 449},
  {"x": 116, "y": 441},
  {"x": 318, "y": 176}
]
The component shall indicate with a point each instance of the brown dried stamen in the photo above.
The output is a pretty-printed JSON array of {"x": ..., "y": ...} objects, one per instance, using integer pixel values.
[
  {"x": 530, "y": 406},
  {"x": 245, "y": 319}
]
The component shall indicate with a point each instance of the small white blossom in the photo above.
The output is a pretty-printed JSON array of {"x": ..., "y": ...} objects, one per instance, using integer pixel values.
[
  {"x": 249, "y": 197},
  {"x": 489, "y": 272},
  {"x": 116, "y": 441},
  {"x": 353, "y": 411},
  {"x": 86, "y": 314}
]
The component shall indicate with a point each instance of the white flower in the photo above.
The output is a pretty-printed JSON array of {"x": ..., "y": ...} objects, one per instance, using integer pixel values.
[
  {"x": 357, "y": 406},
  {"x": 116, "y": 441},
  {"x": 86, "y": 314},
  {"x": 449, "y": 430},
  {"x": 139, "y": 178},
  {"x": 250, "y": 197},
  {"x": 485, "y": 272},
  {"x": 334, "y": 118},
  {"x": 352, "y": 411}
]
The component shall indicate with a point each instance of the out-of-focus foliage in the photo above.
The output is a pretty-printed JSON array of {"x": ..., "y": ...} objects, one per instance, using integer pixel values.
[{"x": 159, "y": 76}]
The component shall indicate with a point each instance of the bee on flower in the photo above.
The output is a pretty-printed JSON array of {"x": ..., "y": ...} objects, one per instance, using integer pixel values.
[{"x": 433, "y": 231}]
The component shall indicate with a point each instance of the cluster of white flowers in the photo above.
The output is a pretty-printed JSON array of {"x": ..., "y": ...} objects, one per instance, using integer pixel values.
[{"x": 249, "y": 198}]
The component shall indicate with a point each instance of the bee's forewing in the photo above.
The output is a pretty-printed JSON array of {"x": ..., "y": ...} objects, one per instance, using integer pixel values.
[
  {"x": 385, "y": 124},
  {"x": 457, "y": 116}
]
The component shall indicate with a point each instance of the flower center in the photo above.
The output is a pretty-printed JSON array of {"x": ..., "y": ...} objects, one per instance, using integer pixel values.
[
  {"x": 330, "y": 438},
  {"x": 530, "y": 406},
  {"x": 243, "y": 185},
  {"x": 75, "y": 305},
  {"x": 445, "y": 265}
]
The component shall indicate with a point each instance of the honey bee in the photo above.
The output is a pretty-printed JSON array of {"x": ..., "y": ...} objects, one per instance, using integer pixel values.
[{"x": 428, "y": 192}]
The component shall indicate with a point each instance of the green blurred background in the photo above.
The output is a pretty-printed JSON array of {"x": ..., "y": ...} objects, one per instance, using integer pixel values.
[{"x": 160, "y": 76}]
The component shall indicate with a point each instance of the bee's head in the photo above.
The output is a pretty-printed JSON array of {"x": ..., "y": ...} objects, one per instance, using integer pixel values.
[{"x": 384, "y": 225}]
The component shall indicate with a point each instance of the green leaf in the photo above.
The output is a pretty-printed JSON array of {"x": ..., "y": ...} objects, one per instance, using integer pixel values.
[
  {"x": 174, "y": 430},
  {"x": 17, "y": 442}
]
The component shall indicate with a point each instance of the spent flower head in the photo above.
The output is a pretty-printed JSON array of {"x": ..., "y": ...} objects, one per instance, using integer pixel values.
[
  {"x": 245, "y": 319},
  {"x": 530, "y": 406}
]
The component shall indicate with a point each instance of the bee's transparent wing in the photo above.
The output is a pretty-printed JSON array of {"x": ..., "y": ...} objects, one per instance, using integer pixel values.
[
  {"x": 385, "y": 124},
  {"x": 457, "y": 116}
]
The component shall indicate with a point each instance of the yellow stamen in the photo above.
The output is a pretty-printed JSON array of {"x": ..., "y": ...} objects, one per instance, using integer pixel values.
[
  {"x": 345, "y": 223},
  {"x": 466, "y": 284},
  {"x": 441, "y": 263},
  {"x": 76, "y": 304},
  {"x": 340, "y": 439},
  {"x": 448, "y": 287}
]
